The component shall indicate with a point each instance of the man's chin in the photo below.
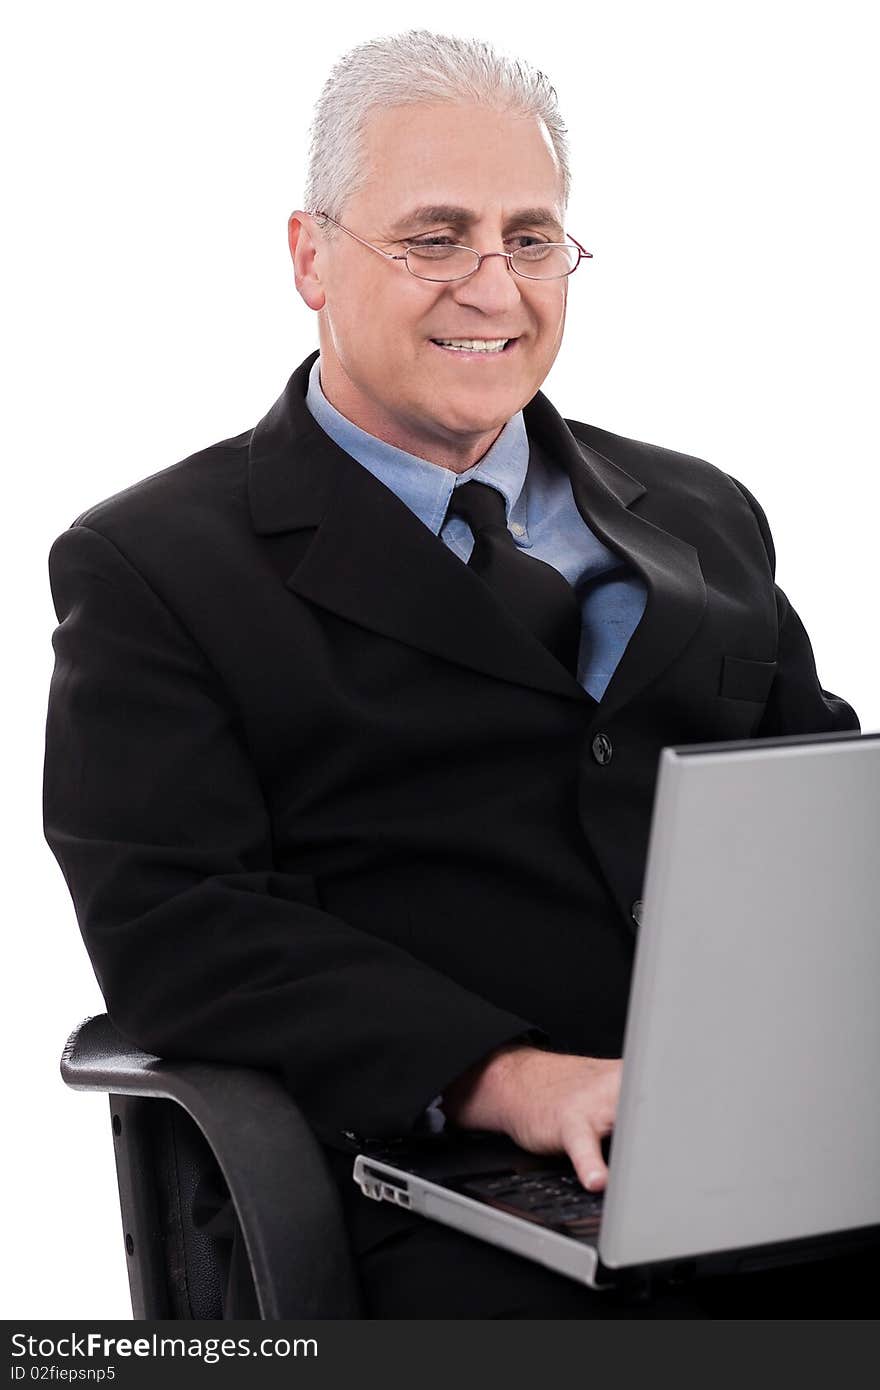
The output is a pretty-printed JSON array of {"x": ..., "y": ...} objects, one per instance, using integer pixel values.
[
  {"x": 478, "y": 414},
  {"x": 471, "y": 429}
]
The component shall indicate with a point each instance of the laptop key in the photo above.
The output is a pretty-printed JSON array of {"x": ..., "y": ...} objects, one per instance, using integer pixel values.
[
  {"x": 588, "y": 1227},
  {"x": 550, "y": 1198}
]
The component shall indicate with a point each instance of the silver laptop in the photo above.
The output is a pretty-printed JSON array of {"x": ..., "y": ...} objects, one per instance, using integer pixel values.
[{"x": 748, "y": 1127}]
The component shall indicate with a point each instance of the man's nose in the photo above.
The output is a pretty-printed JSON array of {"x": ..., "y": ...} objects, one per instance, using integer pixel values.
[{"x": 492, "y": 287}]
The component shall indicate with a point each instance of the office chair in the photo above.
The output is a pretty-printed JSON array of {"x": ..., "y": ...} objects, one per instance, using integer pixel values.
[{"x": 177, "y": 1125}]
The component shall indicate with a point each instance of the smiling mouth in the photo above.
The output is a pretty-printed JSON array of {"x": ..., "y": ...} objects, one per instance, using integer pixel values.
[{"x": 475, "y": 347}]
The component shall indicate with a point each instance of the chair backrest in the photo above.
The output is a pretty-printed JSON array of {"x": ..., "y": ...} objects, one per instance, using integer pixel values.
[{"x": 167, "y": 1172}]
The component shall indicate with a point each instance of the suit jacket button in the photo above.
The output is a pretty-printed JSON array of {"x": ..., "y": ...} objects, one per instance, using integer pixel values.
[
  {"x": 636, "y": 911},
  {"x": 602, "y": 750}
]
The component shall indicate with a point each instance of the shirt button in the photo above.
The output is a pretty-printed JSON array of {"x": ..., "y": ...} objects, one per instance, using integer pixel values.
[
  {"x": 602, "y": 749},
  {"x": 636, "y": 911},
  {"x": 517, "y": 529}
]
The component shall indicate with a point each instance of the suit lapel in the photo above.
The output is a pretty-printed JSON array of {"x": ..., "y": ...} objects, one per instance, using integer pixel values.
[
  {"x": 370, "y": 560},
  {"x": 604, "y": 493}
]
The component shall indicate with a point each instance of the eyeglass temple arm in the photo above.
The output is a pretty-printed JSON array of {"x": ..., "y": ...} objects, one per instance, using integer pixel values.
[
  {"x": 587, "y": 254},
  {"x": 370, "y": 247}
]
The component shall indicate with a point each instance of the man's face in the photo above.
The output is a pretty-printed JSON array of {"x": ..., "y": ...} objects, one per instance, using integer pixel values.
[{"x": 380, "y": 364}]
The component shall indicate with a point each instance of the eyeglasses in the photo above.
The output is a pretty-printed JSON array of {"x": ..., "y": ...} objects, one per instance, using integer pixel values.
[{"x": 443, "y": 261}]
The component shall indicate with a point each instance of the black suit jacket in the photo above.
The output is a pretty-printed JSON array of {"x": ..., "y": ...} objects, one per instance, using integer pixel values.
[{"x": 323, "y": 806}]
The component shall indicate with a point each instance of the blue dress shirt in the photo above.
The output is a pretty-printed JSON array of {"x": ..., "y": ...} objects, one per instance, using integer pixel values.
[{"x": 541, "y": 514}]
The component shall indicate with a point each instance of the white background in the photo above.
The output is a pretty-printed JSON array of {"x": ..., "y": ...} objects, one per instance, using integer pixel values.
[{"x": 724, "y": 177}]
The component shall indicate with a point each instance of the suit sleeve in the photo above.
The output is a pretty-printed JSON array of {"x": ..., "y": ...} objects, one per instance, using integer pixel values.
[
  {"x": 797, "y": 704},
  {"x": 202, "y": 948}
]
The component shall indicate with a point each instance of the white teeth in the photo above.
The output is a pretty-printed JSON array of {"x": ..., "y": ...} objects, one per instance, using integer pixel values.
[{"x": 473, "y": 344}]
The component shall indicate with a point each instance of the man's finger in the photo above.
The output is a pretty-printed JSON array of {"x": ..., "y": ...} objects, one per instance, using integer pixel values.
[{"x": 589, "y": 1165}]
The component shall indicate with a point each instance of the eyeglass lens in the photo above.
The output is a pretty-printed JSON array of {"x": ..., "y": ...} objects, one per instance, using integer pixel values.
[{"x": 542, "y": 261}]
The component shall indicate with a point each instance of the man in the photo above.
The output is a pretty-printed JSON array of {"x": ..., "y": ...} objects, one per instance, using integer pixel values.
[{"x": 345, "y": 780}]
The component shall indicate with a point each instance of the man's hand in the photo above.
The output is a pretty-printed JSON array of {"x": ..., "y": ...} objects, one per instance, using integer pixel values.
[{"x": 547, "y": 1102}]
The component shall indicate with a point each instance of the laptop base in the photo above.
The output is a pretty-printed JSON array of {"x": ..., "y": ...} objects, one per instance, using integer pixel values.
[{"x": 382, "y": 1179}]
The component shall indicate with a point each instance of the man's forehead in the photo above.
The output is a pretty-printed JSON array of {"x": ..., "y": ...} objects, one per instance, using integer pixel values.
[
  {"x": 461, "y": 129},
  {"x": 448, "y": 164}
]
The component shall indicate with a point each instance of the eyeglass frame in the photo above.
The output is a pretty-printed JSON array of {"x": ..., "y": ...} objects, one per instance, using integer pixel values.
[{"x": 481, "y": 256}]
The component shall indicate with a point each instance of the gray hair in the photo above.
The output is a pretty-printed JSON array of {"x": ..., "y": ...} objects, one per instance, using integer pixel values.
[{"x": 403, "y": 70}]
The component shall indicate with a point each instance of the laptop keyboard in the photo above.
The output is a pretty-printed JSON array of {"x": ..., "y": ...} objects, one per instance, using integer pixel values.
[{"x": 551, "y": 1199}]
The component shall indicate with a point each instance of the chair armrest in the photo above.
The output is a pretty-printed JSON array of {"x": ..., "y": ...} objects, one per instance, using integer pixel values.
[{"x": 286, "y": 1201}]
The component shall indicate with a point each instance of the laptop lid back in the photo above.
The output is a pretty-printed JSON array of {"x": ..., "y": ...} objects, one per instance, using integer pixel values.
[{"x": 749, "y": 1104}]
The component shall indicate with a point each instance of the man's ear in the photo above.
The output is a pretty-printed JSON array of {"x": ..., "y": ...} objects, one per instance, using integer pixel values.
[{"x": 304, "y": 253}]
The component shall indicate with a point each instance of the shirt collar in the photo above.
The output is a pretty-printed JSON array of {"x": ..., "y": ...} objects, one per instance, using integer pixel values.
[{"x": 425, "y": 487}]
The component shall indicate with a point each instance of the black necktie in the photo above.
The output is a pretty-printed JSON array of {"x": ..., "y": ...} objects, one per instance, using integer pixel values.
[{"x": 535, "y": 592}]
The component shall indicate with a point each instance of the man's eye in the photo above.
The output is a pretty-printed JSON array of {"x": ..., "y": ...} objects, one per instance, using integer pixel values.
[{"x": 525, "y": 239}]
